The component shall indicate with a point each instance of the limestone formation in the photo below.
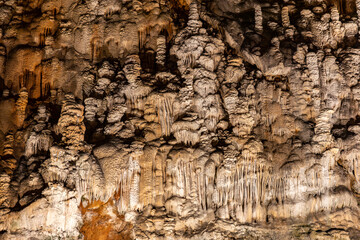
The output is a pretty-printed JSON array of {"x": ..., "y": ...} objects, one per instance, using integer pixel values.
[{"x": 179, "y": 119}]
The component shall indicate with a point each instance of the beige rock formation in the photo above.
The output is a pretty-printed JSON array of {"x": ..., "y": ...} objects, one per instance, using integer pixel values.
[{"x": 179, "y": 119}]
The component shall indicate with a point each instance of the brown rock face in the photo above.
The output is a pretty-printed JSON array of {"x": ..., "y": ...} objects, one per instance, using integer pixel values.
[
  {"x": 101, "y": 222},
  {"x": 179, "y": 119}
]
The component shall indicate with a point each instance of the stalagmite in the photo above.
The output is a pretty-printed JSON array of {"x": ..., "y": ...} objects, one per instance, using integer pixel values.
[
  {"x": 71, "y": 123},
  {"x": 161, "y": 51},
  {"x": 258, "y": 19},
  {"x": 338, "y": 30},
  {"x": 312, "y": 64},
  {"x": 21, "y": 105},
  {"x": 285, "y": 17},
  {"x": 194, "y": 16},
  {"x": 357, "y": 3},
  {"x": 5, "y": 201},
  {"x": 9, "y": 145}
]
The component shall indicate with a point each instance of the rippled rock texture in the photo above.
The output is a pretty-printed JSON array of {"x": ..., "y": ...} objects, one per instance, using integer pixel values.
[{"x": 179, "y": 119}]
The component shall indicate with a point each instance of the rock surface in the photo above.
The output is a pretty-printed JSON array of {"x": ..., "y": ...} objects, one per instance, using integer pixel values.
[{"x": 179, "y": 119}]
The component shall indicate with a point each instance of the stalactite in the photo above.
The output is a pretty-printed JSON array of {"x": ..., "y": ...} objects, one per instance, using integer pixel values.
[
  {"x": 108, "y": 13},
  {"x": 169, "y": 31},
  {"x": 42, "y": 40},
  {"x": 165, "y": 113},
  {"x": 96, "y": 49},
  {"x": 143, "y": 35},
  {"x": 128, "y": 188},
  {"x": 27, "y": 79},
  {"x": 189, "y": 60},
  {"x": 141, "y": 39},
  {"x": 38, "y": 142},
  {"x": 183, "y": 181},
  {"x": 136, "y": 96}
]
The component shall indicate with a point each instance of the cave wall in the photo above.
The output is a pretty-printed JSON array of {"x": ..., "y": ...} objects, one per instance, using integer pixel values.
[{"x": 213, "y": 119}]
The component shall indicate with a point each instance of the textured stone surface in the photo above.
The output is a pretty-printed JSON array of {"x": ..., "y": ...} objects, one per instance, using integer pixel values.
[{"x": 179, "y": 119}]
